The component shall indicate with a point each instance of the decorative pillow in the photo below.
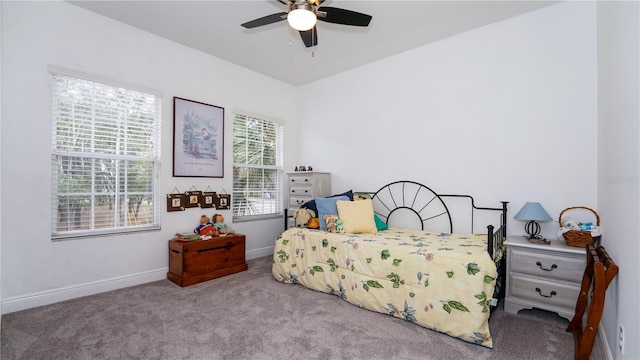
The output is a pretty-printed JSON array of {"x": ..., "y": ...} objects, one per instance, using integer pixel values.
[
  {"x": 327, "y": 206},
  {"x": 380, "y": 224},
  {"x": 357, "y": 216},
  {"x": 361, "y": 196},
  {"x": 311, "y": 204}
]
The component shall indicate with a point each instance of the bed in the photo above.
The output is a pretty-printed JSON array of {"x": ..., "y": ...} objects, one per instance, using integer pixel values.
[{"x": 421, "y": 268}]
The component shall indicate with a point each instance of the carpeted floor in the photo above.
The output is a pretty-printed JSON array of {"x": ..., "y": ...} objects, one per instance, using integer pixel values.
[{"x": 251, "y": 316}]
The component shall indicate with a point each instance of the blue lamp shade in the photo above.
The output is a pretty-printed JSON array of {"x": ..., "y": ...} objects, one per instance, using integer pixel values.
[{"x": 532, "y": 212}]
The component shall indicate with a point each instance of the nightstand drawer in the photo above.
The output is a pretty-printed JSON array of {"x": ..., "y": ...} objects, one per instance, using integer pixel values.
[
  {"x": 547, "y": 265},
  {"x": 547, "y": 292}
]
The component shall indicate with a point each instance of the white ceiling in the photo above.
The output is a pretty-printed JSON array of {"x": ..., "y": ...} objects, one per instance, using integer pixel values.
[{"x": 277, "y": 51}]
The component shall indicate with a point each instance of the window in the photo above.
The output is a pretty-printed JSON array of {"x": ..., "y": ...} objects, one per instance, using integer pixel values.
[
  {"x": 257, "y": 168},
  {"x": 105, "y": 157}
]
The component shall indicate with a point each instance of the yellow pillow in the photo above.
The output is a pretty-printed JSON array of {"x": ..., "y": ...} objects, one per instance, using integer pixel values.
[{"x": 357, "y": 216}]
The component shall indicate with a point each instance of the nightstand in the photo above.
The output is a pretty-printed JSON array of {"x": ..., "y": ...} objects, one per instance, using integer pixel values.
[{"x": 546, "y": 277}]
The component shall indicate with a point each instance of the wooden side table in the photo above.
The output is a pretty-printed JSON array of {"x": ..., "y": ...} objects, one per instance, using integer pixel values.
[
  {"x": 543, "y": 276},
  {"x": 201, "y": 260}
]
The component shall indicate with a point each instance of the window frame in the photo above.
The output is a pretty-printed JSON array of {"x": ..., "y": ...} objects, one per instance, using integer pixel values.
[
  {"x": 278, "y": 167},
  {"x": 119, "y": 158}
]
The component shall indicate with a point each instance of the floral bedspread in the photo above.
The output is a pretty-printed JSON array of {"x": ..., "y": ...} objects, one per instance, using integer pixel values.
[{"x": 440, "y": 281}]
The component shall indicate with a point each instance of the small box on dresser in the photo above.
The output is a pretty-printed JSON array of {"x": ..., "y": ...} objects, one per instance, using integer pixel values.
[
  {"x": 201, "y": 260},
  {"x": 546, "y": 277}
]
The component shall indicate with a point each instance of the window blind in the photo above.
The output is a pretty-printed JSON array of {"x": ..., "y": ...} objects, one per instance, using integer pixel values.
[
  {"x": 257, "y": 167},
  {"x": 105, "y": 158}
]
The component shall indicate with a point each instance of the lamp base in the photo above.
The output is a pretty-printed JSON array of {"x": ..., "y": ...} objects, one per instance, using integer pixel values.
[
  {"x": 533, "y": 229},
  {"x": 539, "y": 240}
]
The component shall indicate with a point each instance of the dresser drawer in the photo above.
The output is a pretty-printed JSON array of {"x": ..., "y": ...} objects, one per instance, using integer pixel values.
[
  {"x": 547, "y": 265},
  {"x": 551, "y": 293},
  {"x": 300, "y": 191},
  {"x": 296, "y": 202},
  {"x": 301, "y": 180}
]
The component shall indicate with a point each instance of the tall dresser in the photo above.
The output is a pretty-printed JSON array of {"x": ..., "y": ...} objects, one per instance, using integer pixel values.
[{"x": 303, "y": 186}]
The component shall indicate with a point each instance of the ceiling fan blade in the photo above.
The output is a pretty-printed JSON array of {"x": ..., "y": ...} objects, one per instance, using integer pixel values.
[
  {"x": 344, "y": 17},
  {"x": 316, "y": 2},
  {"x": 266, "y": 20},
  {"x": 309, "y": 37},
  {"x": 283, "y": 2}
]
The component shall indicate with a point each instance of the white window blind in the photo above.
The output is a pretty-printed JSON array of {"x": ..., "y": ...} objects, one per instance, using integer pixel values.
[
  {"x": 257, "y": 168},
  {"x": 105, "y": 158}
]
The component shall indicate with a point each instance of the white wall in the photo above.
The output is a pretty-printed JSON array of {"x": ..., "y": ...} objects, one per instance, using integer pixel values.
[
  {"x": 36, "y": 270},
  {"x": 619, "y": 166},
  {"x": 504, "y": 112}
]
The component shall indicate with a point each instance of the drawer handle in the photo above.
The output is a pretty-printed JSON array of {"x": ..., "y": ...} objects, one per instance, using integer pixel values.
[
  {"x": 216, "y": 248},
  {"x": 299, "y": 202},
  {"x": 547, "y": 296},
  {"x": 554, "y": 266}
]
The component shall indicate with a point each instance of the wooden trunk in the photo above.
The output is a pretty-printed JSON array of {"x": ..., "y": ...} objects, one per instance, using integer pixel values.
[{"x": 197, "y": 261}]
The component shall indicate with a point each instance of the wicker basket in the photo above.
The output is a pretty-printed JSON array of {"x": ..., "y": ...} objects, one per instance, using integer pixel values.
[{"x": 578, "y": 238}]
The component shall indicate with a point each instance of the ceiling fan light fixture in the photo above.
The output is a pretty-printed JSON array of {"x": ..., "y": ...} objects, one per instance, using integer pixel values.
[{"x": 302, "y": 18}]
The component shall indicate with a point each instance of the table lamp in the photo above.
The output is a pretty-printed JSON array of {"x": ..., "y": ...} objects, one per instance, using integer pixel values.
[{"x": 533, "y": 212}]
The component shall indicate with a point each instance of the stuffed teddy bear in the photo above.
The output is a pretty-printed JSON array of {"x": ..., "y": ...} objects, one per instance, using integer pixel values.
[
  {"x": 303, "y": 216},
  {"x": 339, "y": 227},
  {"x": 331, "y": 222}
]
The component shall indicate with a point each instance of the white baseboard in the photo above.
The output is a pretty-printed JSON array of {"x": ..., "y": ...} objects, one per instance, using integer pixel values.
[
  {"x": 41, "y": 298},
  {"x": 602, "y": 338},
  {"x": 252, "y": 254}
]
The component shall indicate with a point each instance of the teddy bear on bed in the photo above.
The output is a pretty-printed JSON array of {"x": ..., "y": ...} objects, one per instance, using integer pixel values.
[
  {"x": 302, "y": 216},
  {"x": 331, "y": 220}
]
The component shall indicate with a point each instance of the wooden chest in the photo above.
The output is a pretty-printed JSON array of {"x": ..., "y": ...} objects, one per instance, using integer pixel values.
[{"x": 197, "y": 261}]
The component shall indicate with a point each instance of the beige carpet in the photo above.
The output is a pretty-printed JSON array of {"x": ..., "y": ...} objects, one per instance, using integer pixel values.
[{"x": 251, "y": 316}]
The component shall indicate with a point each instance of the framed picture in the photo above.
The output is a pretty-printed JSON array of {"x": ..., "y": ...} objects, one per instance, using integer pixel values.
[
  {"x": 224, "y": 202},
  {"x": 176, "y": 202},
  {"x": 208, "y": 199},
  {"x": 194, "y": 199},
  {"x": 198, "y": 139}
]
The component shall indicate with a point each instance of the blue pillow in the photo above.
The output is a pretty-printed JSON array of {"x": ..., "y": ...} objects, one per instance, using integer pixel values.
[
  {"x": 328, "y": 206},
  {"x": 311, "y": 204}
]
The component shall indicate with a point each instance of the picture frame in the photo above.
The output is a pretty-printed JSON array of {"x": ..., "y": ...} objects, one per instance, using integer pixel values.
[
  {"x": 198, "y": 139},
  {"x": 208, "y": 199},
  {"x": 176, "y": 202},
  {"x": 224, "y": 202},
  {"x": 194, "y": 199}
]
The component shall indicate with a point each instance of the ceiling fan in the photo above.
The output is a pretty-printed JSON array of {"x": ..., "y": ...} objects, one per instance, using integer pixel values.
[{"x": 303, "y": 15}]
